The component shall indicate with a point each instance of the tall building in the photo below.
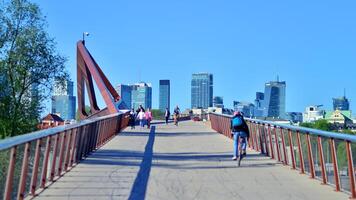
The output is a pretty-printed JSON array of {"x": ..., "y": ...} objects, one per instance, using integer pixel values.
[
  {"x": 202, "y": 90},
  {"x": 258, "y": 109},
  {"x": 141, "y": 94},
  {"x": 164, "y": 95},
  {"x": 63, "y": 101},
  {"x": 275, "y": 99},
  {"x": 341, "y": 103},
  {"x": 218, "y": 102},
  {"x": 125, "y": 93}
]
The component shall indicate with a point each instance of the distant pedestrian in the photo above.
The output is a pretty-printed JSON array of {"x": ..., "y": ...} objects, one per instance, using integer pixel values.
[
  {"x": 148, "y": 116},
  {"x": 176, "y": 115},
  {"x": 139, "y": 109},
  {"x": 141, "y": 118},
  {"x": 239, "y": 131},
  {"x": 166, "y": 115},
  {"x": 132, "y": 118}
]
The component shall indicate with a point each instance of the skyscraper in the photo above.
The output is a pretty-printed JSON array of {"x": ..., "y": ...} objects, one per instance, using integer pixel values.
[
  {"x": 125, "y": 93},
  {"x": 202, "y": 90},
  {"x": 63, "y": 101},
  {"x": 275, "y": 99},
  {"x": 141, "y": 95},
  {"x": 164, "y": 95},
  {"x": 258, "y": 108},
  {"x": 341, "y": 103}
]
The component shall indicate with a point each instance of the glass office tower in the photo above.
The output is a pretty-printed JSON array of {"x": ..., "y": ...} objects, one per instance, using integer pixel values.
[
  {"x": 202, "y": 90},
  {"x": 141, "y": 94},
  {"x": 275, "y": 99},
  {"x": 63, "y": 101},
  {"x": 125, "y": 93},
  {"x": 164, "y": 95}
]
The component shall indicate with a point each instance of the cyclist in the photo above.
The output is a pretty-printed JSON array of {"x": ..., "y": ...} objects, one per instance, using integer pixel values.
[{"x": 239, "y": 130}]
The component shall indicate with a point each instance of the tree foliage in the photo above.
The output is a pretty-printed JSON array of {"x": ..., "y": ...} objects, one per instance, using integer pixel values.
[
  {"x": 320, "y": 124},
  {"x": 29, "y": 64}
]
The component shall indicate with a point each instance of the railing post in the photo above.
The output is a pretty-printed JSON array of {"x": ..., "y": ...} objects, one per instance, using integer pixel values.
[
  {"x": 351, "y": 169},
  {"x": 35, "y": 167},
  {"x": 24, "y": 171},
  {"x": 257, "y": 141},
  {"x": 321, "y": 160},
  {"x": 301, "y": 159},
  {"x": 54, "y": 156},
  {"x": 68, "y": 149},
  {"x": 284, "y": 147},
  {"x": 270, "y": 141},
  {"x": 291, "y": 148},
  {"x": 277, "y": 143},
  {"x": 45, "y": 162},
  {"x": 74, "y": 147},
  {"x": 310, "y": 157},
  {"x": 265, "y": 136},
  {"x": 336, "y": 168},
  {"x": 10, "y": 174},
  {"x": 61, "y": 153}
]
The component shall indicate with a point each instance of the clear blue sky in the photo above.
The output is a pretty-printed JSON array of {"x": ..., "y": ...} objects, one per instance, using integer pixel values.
[{"x": 309, "y": 44}]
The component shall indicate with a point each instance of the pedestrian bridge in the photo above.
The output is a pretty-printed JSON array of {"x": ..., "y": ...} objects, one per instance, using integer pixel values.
[
  {"x": 92, "y": 160},
  {"x": 100, "y": 158}
]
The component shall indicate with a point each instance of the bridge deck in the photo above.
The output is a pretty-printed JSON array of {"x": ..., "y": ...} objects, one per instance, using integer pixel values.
[{"x": 185, "y": 162}]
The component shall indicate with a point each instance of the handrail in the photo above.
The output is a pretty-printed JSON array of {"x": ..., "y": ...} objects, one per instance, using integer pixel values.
[
  {"x": 22, "y": 139},
  {"x": 329, "y": 134},
  {"x": 324, "y": 155},
  {"x": 48, "y": 154}
]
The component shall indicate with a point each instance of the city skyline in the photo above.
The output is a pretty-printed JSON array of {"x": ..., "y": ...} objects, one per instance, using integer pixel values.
[{"x": 224, "y": 39}]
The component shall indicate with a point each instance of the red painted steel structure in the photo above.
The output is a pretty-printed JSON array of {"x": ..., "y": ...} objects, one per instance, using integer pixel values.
[
  {"x": 87, "y": 70},
  {"x": 66, "y": 145},
  {"x": 219, "y": 123}
]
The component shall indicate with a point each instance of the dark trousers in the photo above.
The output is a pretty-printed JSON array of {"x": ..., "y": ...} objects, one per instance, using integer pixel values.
[{"x": 167, "y": 120}]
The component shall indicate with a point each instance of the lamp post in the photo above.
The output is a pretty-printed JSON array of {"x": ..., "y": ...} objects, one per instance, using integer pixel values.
[{"x": 85, "y": 34}]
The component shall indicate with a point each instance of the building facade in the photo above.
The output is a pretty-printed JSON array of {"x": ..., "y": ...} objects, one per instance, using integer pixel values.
[
  {"x": 313, "y": 113},
  {"x": 164, "y": 95},
  {"x": 125, "y": 93},
  {"x": 258, "y": 110},
  {"x": 341, "y": 103},
  {"x": 141, "y": 94},
  {"x": 218, "y": 102},
  {"x": 63, "y": 101},
  {"x": 202, "y": 90},
  {"x": 275, "y": 99}
]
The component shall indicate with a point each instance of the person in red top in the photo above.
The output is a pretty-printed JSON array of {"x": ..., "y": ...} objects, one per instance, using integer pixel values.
[{"x": 148, "y": 116}]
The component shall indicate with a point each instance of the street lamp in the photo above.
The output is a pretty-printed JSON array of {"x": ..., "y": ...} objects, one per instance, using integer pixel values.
[{"x": 85, "y": 34}]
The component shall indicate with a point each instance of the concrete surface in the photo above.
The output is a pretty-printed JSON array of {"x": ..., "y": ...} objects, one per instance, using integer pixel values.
[{"x": 186, "y": 162}]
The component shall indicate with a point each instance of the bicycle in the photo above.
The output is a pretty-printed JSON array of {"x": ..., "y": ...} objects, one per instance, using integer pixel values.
[{"x": 242, "y": 152}]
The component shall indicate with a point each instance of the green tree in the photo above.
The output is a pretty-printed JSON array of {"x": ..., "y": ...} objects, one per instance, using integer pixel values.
[
  {"x": 157, "y": 114},
  {"x": 320, "y": 124},
  {"x": 29, "y": 64},
  {"x": 87, "y": 110}
]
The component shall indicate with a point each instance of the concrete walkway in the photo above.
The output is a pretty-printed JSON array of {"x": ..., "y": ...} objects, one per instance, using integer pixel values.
[{"x": 185, "y": 162}]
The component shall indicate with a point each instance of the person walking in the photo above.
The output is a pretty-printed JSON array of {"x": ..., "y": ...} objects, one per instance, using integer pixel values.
[
  {"x": 239, "y": 130},
  {"x": 148, "y": 116},
  {"x": 176, "y": 115},
  {"x": 132, "y": 118},
  {"x": 139, "y": 109},
  {"x": 166, "y": 115},
  {"x": 141, "y": 117}
]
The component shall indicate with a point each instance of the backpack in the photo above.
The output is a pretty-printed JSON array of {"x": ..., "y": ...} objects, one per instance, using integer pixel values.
[{"x": 236, "y": 122}]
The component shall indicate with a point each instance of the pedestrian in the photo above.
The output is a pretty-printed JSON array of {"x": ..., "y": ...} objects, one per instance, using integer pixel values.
[
  {"x": 239, "y": 129},
  {"x": 139, "y": 109},
  {"x": 176, "y": 115},
  {"x": 166, "y": 115},
  {"x": 148, "y": 116},
  {"x": 132, "y": 118},
  {"x": 141, "y": 118}
]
